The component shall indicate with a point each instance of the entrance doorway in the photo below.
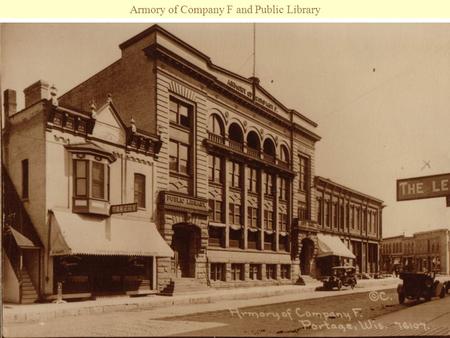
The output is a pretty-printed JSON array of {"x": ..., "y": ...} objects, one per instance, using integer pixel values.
[
  {"x": 185, "y": 244},
  {"x": 306, "y": 256}
]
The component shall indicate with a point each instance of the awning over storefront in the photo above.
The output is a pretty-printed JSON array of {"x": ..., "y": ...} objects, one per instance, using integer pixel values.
[
  {"x": 22, "y": 241},
  {"x": 76, "y": 234},
  {"x": 332, "y": 246},
  {"x": 217, "y": 256}
]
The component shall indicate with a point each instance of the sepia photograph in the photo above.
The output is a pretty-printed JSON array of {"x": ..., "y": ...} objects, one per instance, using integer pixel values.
[{"x": 232, "y": 179}]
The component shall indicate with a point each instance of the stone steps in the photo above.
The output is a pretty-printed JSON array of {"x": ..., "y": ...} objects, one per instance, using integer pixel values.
[
  {"x": 29, "y": 294},
  {"x": 184, "y": 285}
]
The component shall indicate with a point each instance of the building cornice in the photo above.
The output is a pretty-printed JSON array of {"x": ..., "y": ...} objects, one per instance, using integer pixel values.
[{"x": 158, "y": 51}]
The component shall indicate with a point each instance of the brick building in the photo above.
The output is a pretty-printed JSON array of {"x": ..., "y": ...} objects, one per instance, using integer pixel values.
[
  {"x": 355, "y": 218},
  {"x": 64, "y": 170},
  {"x": 423, "y": 251}
]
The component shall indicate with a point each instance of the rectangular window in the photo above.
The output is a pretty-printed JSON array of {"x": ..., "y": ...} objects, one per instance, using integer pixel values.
[
  {"x": 268, "y": 219},
  {"x": 254, "y": 271},
  {"x": 283, "y": 189},
  {"x": 283, "y": 243},
  {"x": 237, "y": 271},
  {"x": 139, "y": 190},
  {"x": 326, "y": 213},
  {"x": 268, "y": 184},
  {"x": 215, "y": 211},
  {"x": 216, "y": 236},
  {"x": 252, "y": 180},
  {"x": 234, "y": 213},
  {"x": 252, "y": 217},
  {"x": 285, "y": 271},
  {"x": 81, "y": 178},
  {"x": 235, "y": 238},
  {"x": 25, "y": 179},
  {"x": 234, "y": 175},
  {"x": 252, "y": 240},
  {"x": 282, "y": 222},
  {"x": 303, "y": 175},
  {"x": 179, "y": 157},
  {"x": 302, "y": 212},
  {"x": 180, "y": 112},
  {"x": 268, "y": 241},
  {"x": 217, "y": 271},
  {"x": 271, "y": 271},
  {"x": 98, "y": 180},
  {"x": 319, "y": 211},
  {"x": 215, "y": 169}
]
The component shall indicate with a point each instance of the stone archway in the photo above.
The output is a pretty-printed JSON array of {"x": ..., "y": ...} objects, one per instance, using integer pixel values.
[
  {"x": 186, "y": 244},
  {"x": 306, "y": 256}
]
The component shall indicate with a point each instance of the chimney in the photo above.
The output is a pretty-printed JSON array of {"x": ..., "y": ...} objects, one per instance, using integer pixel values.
[
  {"x": 36, "y": 92},
  {"x": 10, "y": 102}
]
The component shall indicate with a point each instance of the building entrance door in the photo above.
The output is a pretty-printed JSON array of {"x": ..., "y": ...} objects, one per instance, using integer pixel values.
[
  {"x": 185, "y": 244},
  {"x": 306, "y": 256}
]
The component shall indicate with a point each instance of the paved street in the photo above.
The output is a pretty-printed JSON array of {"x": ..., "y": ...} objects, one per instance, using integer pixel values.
[{"x": 229, "y": 317}]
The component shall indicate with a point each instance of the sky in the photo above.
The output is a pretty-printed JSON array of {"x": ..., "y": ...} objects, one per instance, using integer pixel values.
[{"x": 379, "y": 92}]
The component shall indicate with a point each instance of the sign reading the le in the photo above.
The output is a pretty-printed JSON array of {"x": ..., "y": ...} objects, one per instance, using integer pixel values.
[{"x": 423, "y": 187}]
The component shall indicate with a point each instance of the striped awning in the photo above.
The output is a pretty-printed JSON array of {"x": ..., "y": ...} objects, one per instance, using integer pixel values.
[
  {"x": 78, "y": 234},
  {"x": 332, "y": 246}
]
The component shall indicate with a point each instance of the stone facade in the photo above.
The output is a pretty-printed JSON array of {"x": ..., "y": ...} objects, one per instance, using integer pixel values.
[{"x": 170, "y": 74}]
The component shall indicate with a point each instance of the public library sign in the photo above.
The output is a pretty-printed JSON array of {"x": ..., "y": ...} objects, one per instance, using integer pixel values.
[{"x": 172, "y": 200}]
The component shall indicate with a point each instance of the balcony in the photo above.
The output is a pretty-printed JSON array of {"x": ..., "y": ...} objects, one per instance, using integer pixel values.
[{"x": 239, "y": 148}]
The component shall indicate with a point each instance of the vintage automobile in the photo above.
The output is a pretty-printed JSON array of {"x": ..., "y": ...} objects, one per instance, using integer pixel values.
[
  {"x": 340, "y": 276},
  {"x": 418, "y": 285}
]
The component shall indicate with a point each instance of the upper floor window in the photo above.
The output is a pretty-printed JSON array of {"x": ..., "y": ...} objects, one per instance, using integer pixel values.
[
  {"x": 268, "y": 220},
  {"x": 180, "y": 112},
  {"x": 91, "y": 179},
  {"x": 234, "y": 213},
  {"x": 283, "y": 189},
  {"x": 215, "y": 211},
  {"x": 215, "y": 125},
  {"x": 284, "y": 154},
  {"x": 252, "y": 179},
  {"x": 252, "y": 216},
  {"x": 302, "y": 212},
  {"x": 25, "y": 179},
  {"x": 268, "y": 184},
  {"x": 282, "y": 222},
  {"x": 179, "y": 157},
  {"x": 234, "y": 175},
  {"x": 303, "y": 175},
  {"x": 139, "y": 190},
  {"x": 215, "y": 168}
]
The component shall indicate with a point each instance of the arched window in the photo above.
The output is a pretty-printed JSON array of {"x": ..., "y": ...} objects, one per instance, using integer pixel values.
[
  {"x": 236, "y": 137},
  {"x": 253, "y": 144},
  {"x": 215, "y": 125},
  {"x": 269, "y": 150},
  {"x": 284, "y": 154}
]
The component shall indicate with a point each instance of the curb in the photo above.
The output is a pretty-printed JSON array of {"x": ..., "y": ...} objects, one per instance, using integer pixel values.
[{"x": 77, "y": 309}]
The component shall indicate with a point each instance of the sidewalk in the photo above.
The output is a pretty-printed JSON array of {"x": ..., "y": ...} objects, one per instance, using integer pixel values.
[{"x": 13, "y": 313}]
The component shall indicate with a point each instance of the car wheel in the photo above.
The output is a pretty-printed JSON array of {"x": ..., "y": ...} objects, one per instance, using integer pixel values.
[
  {"x": 339, "y": 285},
  {"x": 401, "y": 298}
]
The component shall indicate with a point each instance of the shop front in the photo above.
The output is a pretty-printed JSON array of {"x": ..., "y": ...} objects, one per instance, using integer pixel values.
[
  {"x": 332, "y": 252},
  {"x": 102, "y": 256}
]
